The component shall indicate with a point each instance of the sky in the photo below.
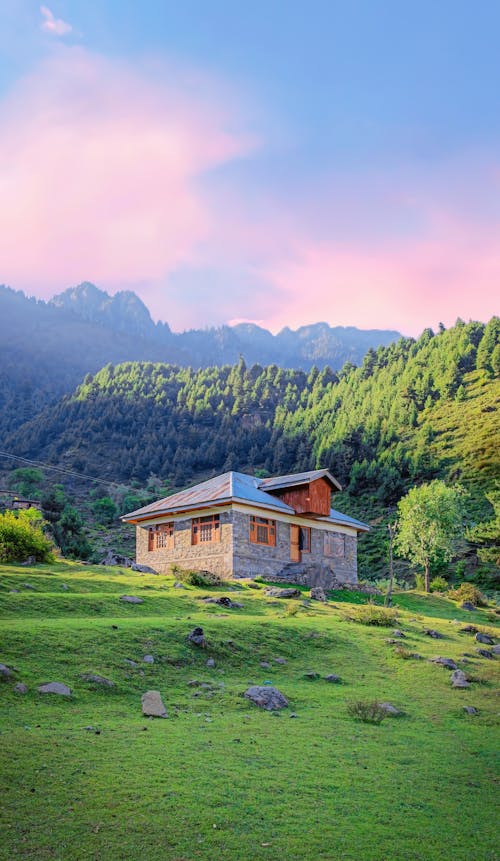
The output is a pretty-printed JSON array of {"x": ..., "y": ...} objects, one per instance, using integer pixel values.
[{"x": 282, "y": 162}]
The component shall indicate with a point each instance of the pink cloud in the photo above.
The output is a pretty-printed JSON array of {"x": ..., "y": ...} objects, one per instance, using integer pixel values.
[
  {"x": 103, "y": 170},
  {"x": 51, "y": 24},
  {"x": 407, "y": 283},
  {"x": 99, "y": 172}
]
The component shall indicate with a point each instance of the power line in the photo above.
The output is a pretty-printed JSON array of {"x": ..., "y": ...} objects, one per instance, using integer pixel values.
[{"x": 60, "y": 469}]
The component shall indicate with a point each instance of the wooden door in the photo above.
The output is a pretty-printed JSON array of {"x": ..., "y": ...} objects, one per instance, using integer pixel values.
[{"x": 295, "y": 555}]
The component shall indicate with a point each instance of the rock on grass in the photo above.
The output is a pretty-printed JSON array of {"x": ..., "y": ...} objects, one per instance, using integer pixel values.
[
  {"x": 153, "y": 705},
  {"x": 55, "y": 688},
  {"x": 268, "y": 698},
  {"x": 459, "y": 679}
]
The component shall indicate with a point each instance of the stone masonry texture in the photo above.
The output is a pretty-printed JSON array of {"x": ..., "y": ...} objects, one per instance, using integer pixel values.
[{"x": 234, "y": 556}]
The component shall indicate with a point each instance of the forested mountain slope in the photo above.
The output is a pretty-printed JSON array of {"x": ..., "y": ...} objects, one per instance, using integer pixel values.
[
  {"x": 414, "y": 410},
  {"x": 47, "y": 348}
]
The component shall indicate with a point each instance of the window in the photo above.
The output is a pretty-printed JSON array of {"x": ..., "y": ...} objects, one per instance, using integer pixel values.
[
  {"x": 305, "y": 539},
  {"x": 334, "y": 544},
  {"x": 161, "y": 537},
  {"x": 205, "y": 530},
  {"x": 262, "y": 531}
]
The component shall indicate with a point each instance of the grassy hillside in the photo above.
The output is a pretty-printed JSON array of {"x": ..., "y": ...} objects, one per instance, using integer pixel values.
[{"x": 220, "y": 778}]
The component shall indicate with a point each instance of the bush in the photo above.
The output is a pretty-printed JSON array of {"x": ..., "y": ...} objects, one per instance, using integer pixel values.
[
  {"x": 370, "y": 614},
  {"x": 196, "y": 578},
  {"x": 368, "y": 712},
  {"x": 438, "y": 584},
  {"x": 292, "y": 608},
  {"x": 105, "y": 510},
  {"x": 404, "y": 653},
  {"x": 21, "y": 536},
  {"x": 468, "y": 592},
  {"x": 420, "y": 582}
]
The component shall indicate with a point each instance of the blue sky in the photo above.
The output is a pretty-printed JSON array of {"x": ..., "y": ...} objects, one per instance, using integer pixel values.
[{"x": 360, "y": 161}]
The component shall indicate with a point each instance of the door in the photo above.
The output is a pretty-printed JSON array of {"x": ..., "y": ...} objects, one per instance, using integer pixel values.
[{"x": 295, "y": 554}]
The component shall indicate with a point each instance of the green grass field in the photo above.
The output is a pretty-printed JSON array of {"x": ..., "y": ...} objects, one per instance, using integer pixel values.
[{"x": 220, "y": 778}]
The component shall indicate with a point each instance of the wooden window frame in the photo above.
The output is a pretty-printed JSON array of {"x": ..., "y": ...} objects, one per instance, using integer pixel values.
[
  {"x": 305, "y": 539},
  {"x": 205, "y": 530},
  {"x": 161, "y": 536},
  {"x": 262, "y": 531}
]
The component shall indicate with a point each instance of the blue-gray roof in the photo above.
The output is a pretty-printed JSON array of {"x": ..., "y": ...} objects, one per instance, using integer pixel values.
[
  {"x": 240, "y": 487},
  {"x": 344, "y": 519},
  {"x": 229, "y": 487},
  {"x": 298, "y": 478}
]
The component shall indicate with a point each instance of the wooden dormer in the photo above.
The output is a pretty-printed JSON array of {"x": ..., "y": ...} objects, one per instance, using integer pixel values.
[
  {"x": 312, "y": 498},
  {"x": 307, "y": 493}
]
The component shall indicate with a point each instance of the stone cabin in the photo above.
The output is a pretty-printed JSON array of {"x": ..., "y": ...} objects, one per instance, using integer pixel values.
[{"x": 238, "y": 525}]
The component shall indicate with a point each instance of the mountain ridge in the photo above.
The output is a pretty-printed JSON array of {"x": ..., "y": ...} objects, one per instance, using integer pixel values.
[{"x": 47, "y": 348}]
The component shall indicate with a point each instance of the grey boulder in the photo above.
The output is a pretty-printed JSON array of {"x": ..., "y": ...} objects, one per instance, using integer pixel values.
[
  {"x": 55, "y": 688},
  {"x": 430, "y": 632},
  {"x": 197, "y": 638},
  {"x": 5, "y": 672},
  {"x": 131, "y": 599},
  {"x": 485, "y": 653},
  {"x": 21, "y": 688},
  {"x": 390, "y": 709},
  {"x": 153, "y": 705},
  {"x": 444, "y": 662},
  {"x": 318, "y": 594},
  {"x": 265, "y": 697},
  {"x": 332, "y": 678},
  {"x": 95, "y": 679},
  {"x": 143, "y": 569},
  {"x": 459, "y": 679},
  {"x": 148, "y": 659},
  {"x": 274, "y": 592},
  {"x": 484, "y": 638}
]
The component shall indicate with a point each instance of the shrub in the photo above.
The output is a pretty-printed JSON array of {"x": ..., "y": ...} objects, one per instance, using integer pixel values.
[
  {"x": 468, "y": 592},
  {"x": 370, "y": 614},
  {"x": 368, "y": 712},
  {"x": 196, "y": 578},
  {"x": 292, "y": 608},
  {"x": 420, "y": 582},
  {"x": 21, "y": 536},
  {"x": 438, "y": 584},
  {"x": 404, "y": 653}
]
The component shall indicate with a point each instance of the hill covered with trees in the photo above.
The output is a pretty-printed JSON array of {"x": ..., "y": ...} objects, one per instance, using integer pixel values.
[
  {"x": 413, "y": 411},
  {"x": 46, "y": 348}
]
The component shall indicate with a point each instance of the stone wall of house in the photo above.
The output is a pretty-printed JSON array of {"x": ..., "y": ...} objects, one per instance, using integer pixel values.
[
  {"x": 251, "y": 560},
  {"x": 216, "y": 557},
  {"x": 235, "y": 556},
  {"x": 315, "y": 569}
]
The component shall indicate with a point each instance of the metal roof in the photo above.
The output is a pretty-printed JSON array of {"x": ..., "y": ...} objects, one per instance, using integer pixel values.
[
  {"x": 240, "y": 487},
  {"x": 298, "y": 478},
  {"x": 229, "y": 487},
  {"x": 344, "y": 519}
]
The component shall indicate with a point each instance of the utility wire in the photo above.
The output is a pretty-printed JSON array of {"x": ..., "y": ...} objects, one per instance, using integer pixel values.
[{"x": 60, "y": 469}]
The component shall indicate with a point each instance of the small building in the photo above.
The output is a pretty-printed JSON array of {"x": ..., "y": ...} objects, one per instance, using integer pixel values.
[{"x": 238, "y": 525}]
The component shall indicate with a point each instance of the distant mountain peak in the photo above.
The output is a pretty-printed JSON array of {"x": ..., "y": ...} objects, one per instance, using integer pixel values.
[{"x": 124, "y": 312}]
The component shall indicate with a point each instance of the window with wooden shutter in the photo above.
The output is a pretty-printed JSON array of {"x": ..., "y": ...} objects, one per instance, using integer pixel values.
[
  {"x": 262, "y": 531},
  {"x": 161, "y": 537},
  {"x": 205, "y": 530}
]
